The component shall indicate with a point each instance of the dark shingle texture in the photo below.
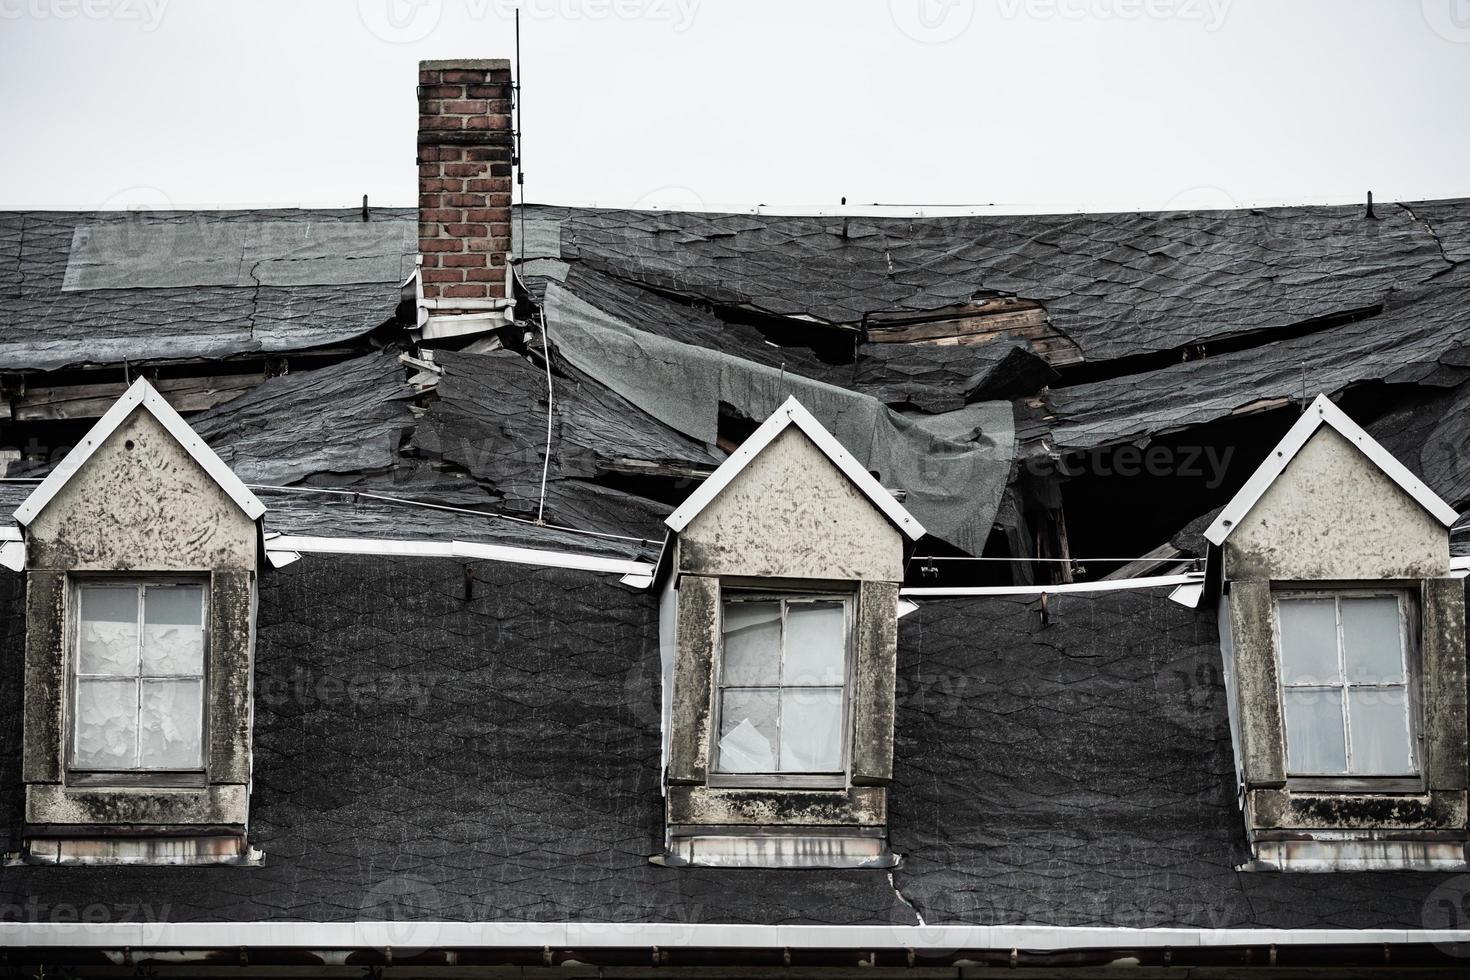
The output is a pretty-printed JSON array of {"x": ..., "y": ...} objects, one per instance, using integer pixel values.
[
  {"x": 489, "y": 418},
  {"x": 1116, "y": 284},
  {"x": 1079, "y": 773},
  {"x": 346, "y": 419},
  {"x": 46, "y": 327},
  {"x": 1420, "y": 338},
  {"x": 418, "y": 755},
  {"x": 421, "y": 755}
]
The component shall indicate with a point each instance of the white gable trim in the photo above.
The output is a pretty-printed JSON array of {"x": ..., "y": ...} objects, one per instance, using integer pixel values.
[
  {"x": 144, "y": 394},
  {"x": 792, "y": 412},
  {"x": 1322, "y": 412}
]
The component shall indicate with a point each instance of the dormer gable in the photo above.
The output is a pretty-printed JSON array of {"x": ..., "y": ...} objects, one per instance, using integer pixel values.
[
  {"x": 791, "y": 502},
  {"x": 141, "y": 490},
  {"x": 1330, "y": 502}
]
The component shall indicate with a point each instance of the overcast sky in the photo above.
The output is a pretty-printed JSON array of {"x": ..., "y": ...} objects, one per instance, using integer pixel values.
[{"x": 1028, "y": 105}]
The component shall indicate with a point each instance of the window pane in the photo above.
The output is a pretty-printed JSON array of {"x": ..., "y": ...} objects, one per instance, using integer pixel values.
[
  {"x": 108, "y": 631},
  {"x": 748, "y": 731},
  {"x": 1380, "y": 730},
  {"x": 173, "y": 629},
  {"x": 752, "y": 644},
  {"x": 1372, "y": 646},
  {"x": 1308, "y": 640},
  {"x": 106, "y": 724},
  {"x": 816, "y": 643},
  {"x": 1314, "y": 738},
  {"x": 169, "y": 725},
  {"x": 811, "y": 730}
]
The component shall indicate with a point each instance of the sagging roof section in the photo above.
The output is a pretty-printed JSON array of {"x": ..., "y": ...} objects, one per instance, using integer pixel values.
[
  {"x": 1323, "y": 412},
  {"x": 140, "y": 396},
  {"x": 792, "y": 413}
]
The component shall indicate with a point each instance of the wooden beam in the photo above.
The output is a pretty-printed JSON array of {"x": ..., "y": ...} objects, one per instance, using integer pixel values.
[{"x": 91, "y": 401}]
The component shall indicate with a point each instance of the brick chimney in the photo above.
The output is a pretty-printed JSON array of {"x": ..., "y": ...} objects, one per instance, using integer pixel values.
[{"x": 464, "y": 154}]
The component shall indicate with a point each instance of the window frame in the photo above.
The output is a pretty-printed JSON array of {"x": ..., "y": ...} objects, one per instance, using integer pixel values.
[
  {"x": 1413, "y": 688},
  {"x": 837, "y": 779},
  {"x": 190, "y": 777}
]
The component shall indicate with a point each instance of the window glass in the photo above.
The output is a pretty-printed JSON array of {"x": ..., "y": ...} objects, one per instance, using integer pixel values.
[
  {"x": 783, "y": 675},
  {"x": 816, "y": 643},
  {"x": 752, "y": 643},
  {"x": 1308, "y": 640},
  {"x": 108, "y": 640},
  {"x": 1344, "y": 677},
  {"x": 811, "y": 736},
  {"x": 138, "y": 692},
  {"x": 173, "y": 630},
  {"x": 1372, "y": 645},
  {"x": 1315, "y": 739}
]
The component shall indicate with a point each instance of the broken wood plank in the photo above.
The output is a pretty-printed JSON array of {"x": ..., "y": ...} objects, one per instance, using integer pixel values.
[{"x": 92, "y": 401}]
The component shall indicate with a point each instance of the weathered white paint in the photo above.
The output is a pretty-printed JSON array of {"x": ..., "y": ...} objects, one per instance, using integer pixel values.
[
  {"x": 139, "y": 936},
  {"x": 792, "y": 413},
  {"x": 141, "y": 500},
  {"x": 1334, "y": 513},
  {"x": 140, "y": 396},
  {"x": 1323, "y": 414},
  {"x": 791, "y": 512}
]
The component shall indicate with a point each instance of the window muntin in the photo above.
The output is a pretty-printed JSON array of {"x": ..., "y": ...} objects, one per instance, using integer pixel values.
[
  {"x": 1345, "y": 684},
  {"x": 782, "y": 692},
  {"x": 138, "y": 677}
]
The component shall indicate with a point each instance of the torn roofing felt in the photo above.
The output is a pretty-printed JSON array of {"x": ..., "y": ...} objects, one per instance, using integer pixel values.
[
  {"x": 489, "y": 417},
  {"x": 314, "y": 284},
  {"x": 1114, "y": 284},
  {"x": 953, "y": 467},
  {"x": 1419, "y": 338}
]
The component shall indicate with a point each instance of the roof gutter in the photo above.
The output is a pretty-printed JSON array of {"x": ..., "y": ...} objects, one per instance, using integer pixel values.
[{"x": 659, "y": 944}]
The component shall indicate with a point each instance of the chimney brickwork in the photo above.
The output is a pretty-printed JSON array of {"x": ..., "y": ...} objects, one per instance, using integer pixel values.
[{"x": 465, "y": 146}]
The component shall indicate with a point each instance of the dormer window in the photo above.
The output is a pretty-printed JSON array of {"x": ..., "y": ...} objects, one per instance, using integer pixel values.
[
  {"x": 780, "y": 645},
  {"x": 1345, "y": 684},
  {"x": 137, "y": 681},
  {"x": 141, "y": 550},
  {"x": 1343, "y": 634},
  {"x": 784, "y": 664}
]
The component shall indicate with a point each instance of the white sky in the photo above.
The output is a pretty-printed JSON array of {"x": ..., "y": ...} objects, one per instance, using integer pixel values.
[{"x": 1030, "y": 105}]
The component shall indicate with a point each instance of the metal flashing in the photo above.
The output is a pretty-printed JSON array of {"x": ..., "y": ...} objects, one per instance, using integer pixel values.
[{"x": 291, "y": 546}]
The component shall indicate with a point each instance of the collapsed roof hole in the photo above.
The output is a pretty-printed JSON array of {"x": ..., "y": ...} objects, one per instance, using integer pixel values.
[{"x": 734, "y": 427}]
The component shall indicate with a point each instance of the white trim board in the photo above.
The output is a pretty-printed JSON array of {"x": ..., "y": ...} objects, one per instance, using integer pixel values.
[
  {"x": 144, "y": 394},
  {"x": 1108, "y": 585},
  {"x": 790, "y": 413},
  {"x": 565, "y": 935},
  {"x": 1322, "y": 412},
  {"x": 288, "y": 545}
]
